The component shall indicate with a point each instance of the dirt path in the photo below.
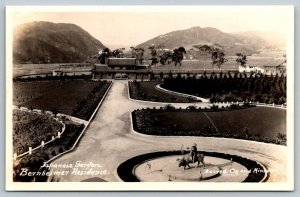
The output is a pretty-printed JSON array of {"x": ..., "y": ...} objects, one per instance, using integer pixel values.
[{"x": 109, "y": 141}]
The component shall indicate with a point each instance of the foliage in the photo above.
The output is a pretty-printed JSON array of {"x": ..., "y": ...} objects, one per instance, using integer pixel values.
[
  {"x": 85, "y": 108},
  {"x": 137, "y": 53},
  {"x": 106, "y": 53},
  {"x": 168, "y": 121},
  {"x": 241, "y": 59},
  {"x": 146, "y": 91},
  {"x": 60, "y": 96},
  {"x": 228, "y": 87},
  {"x": 118, "y": 53},
  {"x": 34, "y": 161},
  {"x": 216, "y": 53},
  {"x": 30, "y": 129},
  {"x": 165, "y": 56},
  {"x": 218, "y": 57}
]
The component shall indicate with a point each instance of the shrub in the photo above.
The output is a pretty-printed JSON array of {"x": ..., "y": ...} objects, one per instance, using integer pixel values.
[
  {"x": 53, "y": 153},
  {"x": 169, "y": 107},
  {"x": 61, "y": 150},
  {"x": 192, "y": 108}
]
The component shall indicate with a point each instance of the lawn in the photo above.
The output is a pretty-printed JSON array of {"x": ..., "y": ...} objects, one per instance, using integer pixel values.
[
  {"x": 62, "y": 95},
  {"x": 196, "y": 65},
  {"x": 263, "y": 123},
  {"x": 30, "y": 69},
  {"x": 146, "y": 91},
  {"x": 201, "y": 65}
]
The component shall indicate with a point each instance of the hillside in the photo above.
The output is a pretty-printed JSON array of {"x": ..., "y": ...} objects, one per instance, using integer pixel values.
[
  {"x": 232, "y": 43},
  {"x": 40, "y": 42}
]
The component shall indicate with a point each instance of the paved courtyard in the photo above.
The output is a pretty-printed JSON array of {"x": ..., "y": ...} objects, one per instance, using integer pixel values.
[{"x": 109, "y": 141}]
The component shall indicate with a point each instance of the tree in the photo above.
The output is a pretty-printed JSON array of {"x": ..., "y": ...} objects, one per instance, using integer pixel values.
[
  {"x": 118, "y": 53},
  {"x": 137, "y": 53},
  {"x": 154, "y": 61},
  {"x": 105, "y": 54},
  {"x": 153, "y": 50},
  {"x": 218, "y": 57},
  {"x": 241, "y": 59},
  {"x": 205, "y": 50},
  {"x": 166, "y": 57},
  {"x": 140, "y": 55},
  {"x": 160, "y": 49},
  {"x": 160, "y": 54},
  {"x": 153, "y": 53},
  {"x": 177, "y": 56}
]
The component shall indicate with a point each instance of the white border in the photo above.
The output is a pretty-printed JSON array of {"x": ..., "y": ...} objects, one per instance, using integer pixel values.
[{"x": 121, "y": 186}]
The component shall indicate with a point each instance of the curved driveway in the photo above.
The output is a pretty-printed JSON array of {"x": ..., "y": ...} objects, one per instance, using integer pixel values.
[{"x": 109, "y": 141}]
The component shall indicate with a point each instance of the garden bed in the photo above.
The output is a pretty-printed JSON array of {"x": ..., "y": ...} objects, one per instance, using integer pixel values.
[
  {"x": 33, "y": 162},
  {"x": 78, "y": 98},
  {"x": 146, "y": 90},
  {"x": 251, "y": 123},
  {"x": 30, "y": 129}
]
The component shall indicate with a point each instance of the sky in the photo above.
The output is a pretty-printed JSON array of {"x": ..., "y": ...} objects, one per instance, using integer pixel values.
[{"x": 130, "y": 26}]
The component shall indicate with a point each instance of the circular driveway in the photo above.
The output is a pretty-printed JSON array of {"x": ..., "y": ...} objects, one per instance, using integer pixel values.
[{"x": 109, "y": 141}]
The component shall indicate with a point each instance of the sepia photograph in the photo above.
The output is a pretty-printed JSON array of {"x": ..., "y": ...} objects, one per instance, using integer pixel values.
[{"x": 140, "y": 98}]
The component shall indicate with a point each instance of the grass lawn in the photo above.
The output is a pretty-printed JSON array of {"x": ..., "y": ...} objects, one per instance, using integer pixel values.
[
  {"x": 261, "y": 121},
  {"x": 146, "y": 91}
]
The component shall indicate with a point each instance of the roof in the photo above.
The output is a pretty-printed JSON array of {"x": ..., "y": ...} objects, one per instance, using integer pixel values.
[
  {"x": 101, "y": 69},
  {"x": 122, "y": 62},
  {"x": 106, "y": 69}
]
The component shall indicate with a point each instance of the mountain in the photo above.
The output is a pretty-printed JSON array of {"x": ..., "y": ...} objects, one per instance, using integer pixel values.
[
  {"x": 268, "y": 39},
  {"x": 41, "y": 42},
  {"x": 232, "y": 43}
]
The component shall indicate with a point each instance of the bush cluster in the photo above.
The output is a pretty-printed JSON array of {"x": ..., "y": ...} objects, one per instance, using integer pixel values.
[
  {"x": 85, "y": 108},
  {"x": 30, "y": 129},
  {"x": 34, "y": 161},
  {"x": 228, "y": 87}
]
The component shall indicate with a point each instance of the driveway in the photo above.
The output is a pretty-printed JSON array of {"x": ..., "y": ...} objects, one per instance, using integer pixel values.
[{"x": 109, "y": 141}]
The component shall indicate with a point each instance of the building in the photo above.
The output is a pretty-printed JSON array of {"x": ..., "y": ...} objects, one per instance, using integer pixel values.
[
  {"x": 121, "y": 68},
  {"x": 57, "y": 73},
  {"x": 249, "y": 69},
  {"x": 269, "y": 65},
  {"x": 276, "y": 68}
]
